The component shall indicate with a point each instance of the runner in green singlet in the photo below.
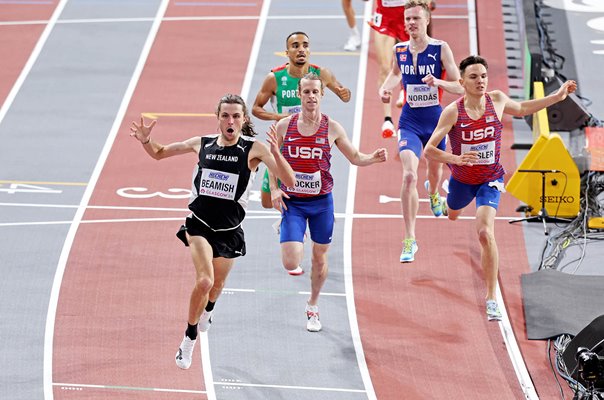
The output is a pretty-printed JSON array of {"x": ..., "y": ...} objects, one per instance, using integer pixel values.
[{"x": 281, "y": 86}]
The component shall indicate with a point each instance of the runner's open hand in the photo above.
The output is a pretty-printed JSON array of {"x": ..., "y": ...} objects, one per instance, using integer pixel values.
[
  {"x": 277, "y": 196},
  {"x": 272, "y": 140},
  {"x": 142, "y": 131}
]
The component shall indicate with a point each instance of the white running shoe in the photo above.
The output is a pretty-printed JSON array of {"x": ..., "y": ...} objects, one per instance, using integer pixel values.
[
  {"x": 184, "y": 355},
  {"x": 493, "y": 313},
  {"x": 296, "y": 272},
  {"x": 353, "y": 43},
  {"x": 388, "y": 130},
  {"x": 312, "y": 313},
  {"x": 205, "y": 321},
  {"x": 409, "y": 249}
]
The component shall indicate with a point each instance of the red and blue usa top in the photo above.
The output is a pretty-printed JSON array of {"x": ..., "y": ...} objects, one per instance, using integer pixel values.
[
  {"x": 483, "y": 136},
  {"x": 309, "y": 157}
]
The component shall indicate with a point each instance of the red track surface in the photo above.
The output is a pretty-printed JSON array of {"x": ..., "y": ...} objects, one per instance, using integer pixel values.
[
  {"x": 423, "y": 326},
  {"x": 120, "y": 317},
  {"x": 18, "y": 41}
]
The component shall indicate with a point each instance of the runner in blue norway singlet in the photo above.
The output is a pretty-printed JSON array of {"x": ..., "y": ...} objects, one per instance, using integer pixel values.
[{"x": 422, "y": 106}]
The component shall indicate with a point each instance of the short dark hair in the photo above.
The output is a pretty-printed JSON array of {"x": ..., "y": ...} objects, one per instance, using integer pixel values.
[
  {"x": 471, "y": 60},
  {"x": 248, "y": 127},
  {"x": 294, "y": 33}
]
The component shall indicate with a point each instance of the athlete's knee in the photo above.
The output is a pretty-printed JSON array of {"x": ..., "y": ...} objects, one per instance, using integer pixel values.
[
  {"x": 453, "y": 215},
  {"x": 291, "y": 260},
  {"x": 290, "y": 263},
  {"x": 486, "y": 236},
  {"x": 218, "y": 285},
  {"x": 409, "y": 177},
  {"x": 204, "y": 283}
]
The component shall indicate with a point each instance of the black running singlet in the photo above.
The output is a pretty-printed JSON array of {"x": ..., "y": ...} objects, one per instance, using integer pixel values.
[{"x": 221, "y": 183}]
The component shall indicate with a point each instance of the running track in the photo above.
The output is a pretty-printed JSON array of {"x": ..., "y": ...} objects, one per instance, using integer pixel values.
[{"x": 123, "y": 292}]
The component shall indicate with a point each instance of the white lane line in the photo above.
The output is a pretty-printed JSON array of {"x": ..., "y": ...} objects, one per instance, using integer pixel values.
[
  {"x": 317, "y": 388},
  {"x": 253, "y": 60},
  {"x": 123, "y": 208},
  {"x": 522, "y": 374},
  {"x": 206, "y": 365},
  {"x": 348, "y": 220},
  {"x": 201, "y": 18},
  {"x": 204, "y": 345},
  {"x": 233, "y": 290},
  {"x": 58, "y": 278},
  {"x": 524, "y": 378},
  {"x": 472, "y": 27},
  {"x": 338, "y": 215},
  {"x": 33, "y": 57},
  {"x": 72, "y": 386}
]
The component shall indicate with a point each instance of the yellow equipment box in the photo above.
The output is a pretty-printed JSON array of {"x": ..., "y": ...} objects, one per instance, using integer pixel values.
[{"x": 562, "y": 187}]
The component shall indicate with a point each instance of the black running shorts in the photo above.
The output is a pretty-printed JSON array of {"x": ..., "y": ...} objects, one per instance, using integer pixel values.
[{"x": 227, "y": 244}]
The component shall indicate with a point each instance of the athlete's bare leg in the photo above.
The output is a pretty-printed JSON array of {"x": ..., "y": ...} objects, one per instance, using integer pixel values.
[{"x": 409, "y": 195}]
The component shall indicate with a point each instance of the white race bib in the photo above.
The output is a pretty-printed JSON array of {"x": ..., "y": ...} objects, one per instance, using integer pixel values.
[
  {"x": 219, "y": 184},
  {"x": 307, "y": 183},
  {"x": 393, "y": 3},
  {"x": 486, "y": 152},
  {"x": 291, "y": 109},
  {"x": 421, "y": 96}
]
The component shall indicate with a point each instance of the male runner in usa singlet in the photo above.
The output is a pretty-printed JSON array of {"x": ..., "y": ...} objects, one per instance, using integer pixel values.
[
  {"x": 473, "y": 124},
  {"x": 306, "y": 139},
  {"x": 281, "y": 84}
]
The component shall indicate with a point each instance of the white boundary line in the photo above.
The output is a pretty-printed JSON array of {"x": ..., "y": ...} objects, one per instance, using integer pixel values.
[
  {"x": 270, "y": 216},
  {"x": 253, "y": 60},
  {"x": 348, "y": 220},
  {"x": 511, "y": 345},
  {"x": 204, "y": 344},
  {"x": 472, "y": 27},
  {"x": 224, "y": 383},
  {"x": 138, "y": 389},
  {"x": 206, "y": 18},
  {"x": 32, "y": 59},
  {"x": 524, "y": 378},
  {"x": 56, "y": 286}
]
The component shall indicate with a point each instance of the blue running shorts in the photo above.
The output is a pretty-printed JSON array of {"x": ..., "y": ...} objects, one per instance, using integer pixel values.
[
  {"x": 416, "y": 127},
  {"x": 317, "y": 211},
  {"x": 461, "y": 194}
]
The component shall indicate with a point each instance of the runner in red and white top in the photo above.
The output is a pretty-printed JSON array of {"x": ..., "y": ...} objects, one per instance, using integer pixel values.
[
  {"x": 306, "y": 140},
  {"x": 473, "y": 124}
]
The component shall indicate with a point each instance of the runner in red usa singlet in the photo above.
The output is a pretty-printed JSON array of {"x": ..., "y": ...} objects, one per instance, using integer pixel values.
[
  {"x": 306, "y": 139},
  {"x": 474, "y": 126}
]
